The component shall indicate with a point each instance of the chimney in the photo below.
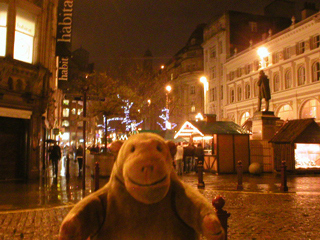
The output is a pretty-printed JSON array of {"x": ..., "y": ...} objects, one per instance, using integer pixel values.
[
  {"x": 308, "y": 10},
  {"x": 210, "y": 118}
]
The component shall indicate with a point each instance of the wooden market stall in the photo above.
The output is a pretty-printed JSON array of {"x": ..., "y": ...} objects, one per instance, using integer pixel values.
[
  {"x": 225, "y": 143},
  {"x": 298, "y": 143}
]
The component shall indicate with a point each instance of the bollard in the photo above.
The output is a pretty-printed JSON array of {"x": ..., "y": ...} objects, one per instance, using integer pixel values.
[
  {"x": 200, "y": 174},
  {"x": 283, "y": 186},
  {"x": 240, "y": 173},
  {"x": 96, "y": 176},
  {"x": 67, "y": 167},
  {"x": 218, "y": 203}
]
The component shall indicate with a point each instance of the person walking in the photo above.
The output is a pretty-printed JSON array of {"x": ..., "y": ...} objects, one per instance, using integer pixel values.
[
  {"x": 188, "y": 153},
  {"x": 179, "y": 158},
  {"x": 55, "y": 156},
  {"x": 79, "y": 156}
]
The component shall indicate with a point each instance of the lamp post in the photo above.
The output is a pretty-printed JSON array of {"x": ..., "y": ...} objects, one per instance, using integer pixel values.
[
  {"x": 205, "y": 83},
  {"x": 168, "y": 90},
  {"x": 263, "y": 53}
]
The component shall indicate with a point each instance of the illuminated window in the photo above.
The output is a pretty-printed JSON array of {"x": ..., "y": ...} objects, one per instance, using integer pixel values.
[
  {"x": 276, "y": 82},
  {"x": 65, "y": 102},
  {"x": 288, "y": 79},
  {"x": 307, "y": 155},
  {"x": 73, "y": 111},
  {"x": 311, "y": 109},
  {"x": 65, "y": 112},
  {"x": 3, "y": 28},
  {"x": 65, "y": 123},
  {"x": 285, "y": 112},
  {"x": 244, "y": 117},
  {"x": 24, "y": 36},
  {"x": 316, "y": 71},
  {"x": 301, "y": 75},
  {"x": 193, "y": 108}
]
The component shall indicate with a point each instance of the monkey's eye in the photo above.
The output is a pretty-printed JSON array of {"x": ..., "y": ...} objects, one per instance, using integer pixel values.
[
  {"x": 133, "y": 148},
  {"x": 159, "y": 148}
]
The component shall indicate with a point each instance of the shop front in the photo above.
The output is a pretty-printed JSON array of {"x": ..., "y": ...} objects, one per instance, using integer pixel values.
[
  {"x": 298, "y": 143},
  {"x": 225, "y": 143}
]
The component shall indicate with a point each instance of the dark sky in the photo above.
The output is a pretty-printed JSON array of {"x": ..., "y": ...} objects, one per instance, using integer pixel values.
[{"x": 108, "y": 28}]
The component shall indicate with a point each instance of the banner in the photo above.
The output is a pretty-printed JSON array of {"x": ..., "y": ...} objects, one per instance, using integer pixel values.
[{"x": 64, "y": 34}]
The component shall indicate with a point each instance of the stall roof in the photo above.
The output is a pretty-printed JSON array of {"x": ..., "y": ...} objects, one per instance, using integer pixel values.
[
  {"x": 217, "y": 127},
  {"x": 299, "y": 130}
]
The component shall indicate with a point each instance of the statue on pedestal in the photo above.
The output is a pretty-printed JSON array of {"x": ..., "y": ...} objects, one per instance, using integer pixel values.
[{"x": 264, "y": 90}]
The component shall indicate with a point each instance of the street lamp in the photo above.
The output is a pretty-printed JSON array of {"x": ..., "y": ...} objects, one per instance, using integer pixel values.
[
  {"x": 263, "y": 53},
  {"x": 205, "y": 83},
  {"x": 168, "y": 89}
]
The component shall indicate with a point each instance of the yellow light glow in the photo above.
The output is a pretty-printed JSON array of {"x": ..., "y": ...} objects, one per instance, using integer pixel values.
[
  {"x": 263, "y": 52},
  {"x": 168, "y": 88}
]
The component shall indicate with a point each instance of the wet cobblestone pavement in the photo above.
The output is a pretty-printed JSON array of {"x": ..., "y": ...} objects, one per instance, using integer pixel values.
[{"x": 260, "y": 211}]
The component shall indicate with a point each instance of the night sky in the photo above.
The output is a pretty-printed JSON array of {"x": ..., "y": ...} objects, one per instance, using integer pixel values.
[{"x": 109, "y": 28}]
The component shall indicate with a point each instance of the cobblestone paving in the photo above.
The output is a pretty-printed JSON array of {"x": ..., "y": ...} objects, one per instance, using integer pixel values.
[{"x": 253, "y": 216}]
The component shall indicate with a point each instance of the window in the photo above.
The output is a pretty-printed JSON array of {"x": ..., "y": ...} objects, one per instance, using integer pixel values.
[
  {"x": 275, "y": 57},
  {"x": 315, "y": 42},
  {"x": 286, "y": 53},
  {"x": 276, "y": 82},
  {"x": 288, "y": 79},
  {"x": 301, "y": 76},
  {"x": 213, "y": 72},
  {"x": 315, "y": 71},
  {"x": 73, "y": 111},
  {"x": 244, "y": 117},
  {"x": 65, "y": 112},
  {"x": 65, "y": 102},
  {"x": 256, "y": 65},
  {"x": 192, "y": 89},
  {"x": 24, "y": 35},
  {"x": 256, "y": 88},
  {"x": 193, "y": 107},
  {"x": 239, "y": 91},
  {"x": 285, "y": 112},
  {"x": 221, "y": 92},
  {"x": 300, "y": 47},
  {"x": 248, "y": 68},
  {"x": 220, "y": 47},
  {"x": 212, "y": 94},
  {"x": 3, "y": 28},
  {"x": 80, "y": 110},
  {"x": 213, "y": 53},
  {"x": 231, "y": 96},
  {"x": 65, "y": 123},
  {"x": 253, "y": 26},
  {"x": 311, "y": 109},
  {"x": 247, "y": 91}
]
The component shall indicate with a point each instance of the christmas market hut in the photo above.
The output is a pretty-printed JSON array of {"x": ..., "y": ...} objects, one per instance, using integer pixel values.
[
  {"x": 225, "y": 143},
  {"x": 298, "y": 143}
]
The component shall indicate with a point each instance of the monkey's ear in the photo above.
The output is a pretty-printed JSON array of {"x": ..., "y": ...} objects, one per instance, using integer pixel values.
[{"x": 172, "y": 147}]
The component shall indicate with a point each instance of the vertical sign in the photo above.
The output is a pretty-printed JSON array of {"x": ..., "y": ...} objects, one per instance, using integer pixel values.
[{"x": 64, "y": 31}]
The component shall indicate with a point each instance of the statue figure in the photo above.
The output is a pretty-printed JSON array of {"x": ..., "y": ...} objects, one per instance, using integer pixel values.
[{"x": 264, "y": 90}]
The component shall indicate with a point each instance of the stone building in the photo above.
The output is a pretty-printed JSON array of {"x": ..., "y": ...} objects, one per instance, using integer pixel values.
[{"x": 28, "y": 88}]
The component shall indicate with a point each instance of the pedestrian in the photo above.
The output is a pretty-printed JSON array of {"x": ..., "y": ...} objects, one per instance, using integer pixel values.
[
  {"x": 199, "y": 154},
  {"x": 55, "y": 156},
  {"x": 79, "y": 157},
  {"x": 179, "y": 159},
  {"x": 188, "y": 153},
  {"x": 264, "y": 90}
]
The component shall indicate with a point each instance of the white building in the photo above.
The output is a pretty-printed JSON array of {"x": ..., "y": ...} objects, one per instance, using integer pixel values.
[{"x": 293, "y": 68}]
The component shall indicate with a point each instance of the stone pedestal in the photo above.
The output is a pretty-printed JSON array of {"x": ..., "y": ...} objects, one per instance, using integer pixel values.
[{"x": 264, "y": 125}]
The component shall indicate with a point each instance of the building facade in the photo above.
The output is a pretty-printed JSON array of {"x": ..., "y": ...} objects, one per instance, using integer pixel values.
[
  {"x": 293, "y": 69},
  {"x": 28, "y": 87}
]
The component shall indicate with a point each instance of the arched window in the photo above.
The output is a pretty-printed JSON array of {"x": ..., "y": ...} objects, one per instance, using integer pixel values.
[
  {"x": 65, "y": 123},
  {"x": 256, "y": 88},
  {"x": 285, "y": 112},
  {"x": 276, "y": 82},
  {"x": 239, "y": 93},
  {"x": 247, "y": 91},
  {"x": 315, "y": 71},
  {"x": 311, "y": 109},
  {"x": 244, "y": 117},
  {"x": 301, "y": 76},
  {"x": 288, "y": 79},
  {"x": 231, "y": 96}
]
